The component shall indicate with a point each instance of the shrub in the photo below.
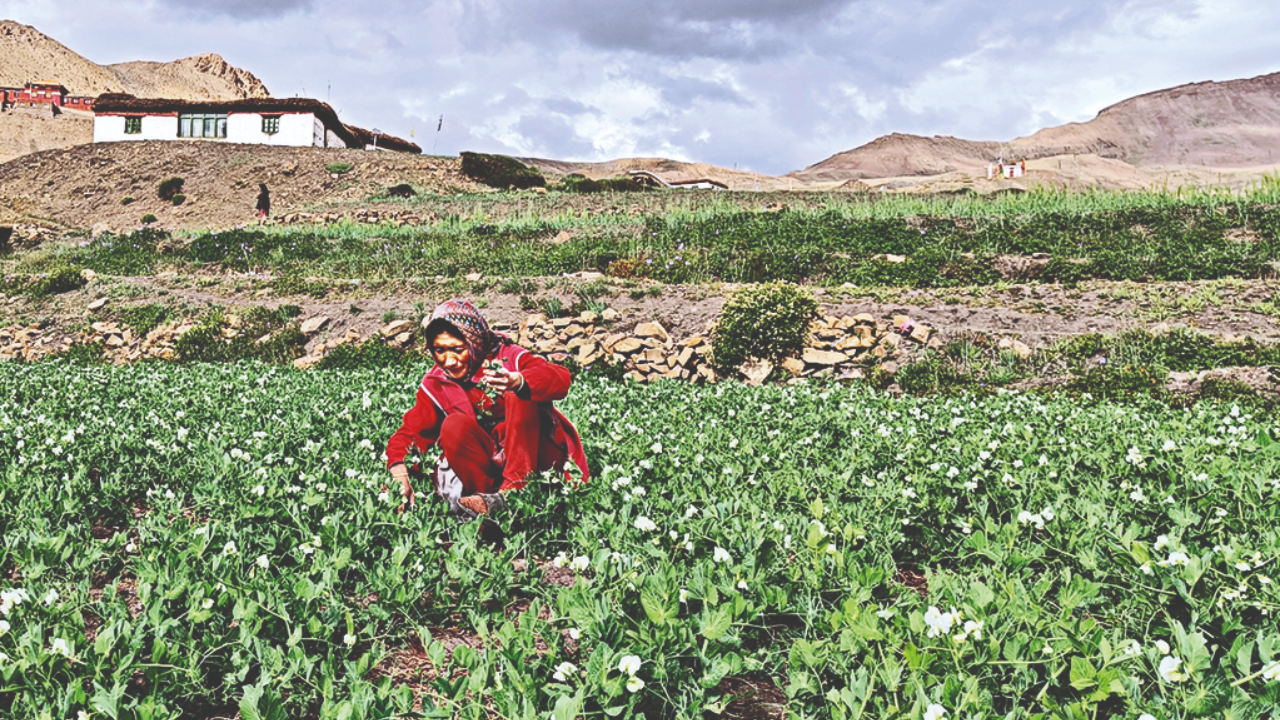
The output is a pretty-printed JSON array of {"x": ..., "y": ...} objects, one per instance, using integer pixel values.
[
  {"x": 169, "y": 188},
  {"x": 372, "y": 355},
  {"x": 500, "y": 171},
  {"x": 179, "y": 199},
  {"x": 6, "y": 233},
  {"x": 769, "y": 322},
  {"x": 148, "y": 219},
  {"x": 339, "y": 168},
  {"x": 205, "y": 342},
  {"x": 144, "y": 318},
  {"x": 126, "y": 199},
  {"x": 402, "y": 191},
  {"x": 59, "y": 279},
  {"x": 1119, "y": 383}
]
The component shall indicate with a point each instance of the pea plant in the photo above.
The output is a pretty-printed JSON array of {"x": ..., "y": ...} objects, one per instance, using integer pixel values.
[{"x": 209, "y": 540}]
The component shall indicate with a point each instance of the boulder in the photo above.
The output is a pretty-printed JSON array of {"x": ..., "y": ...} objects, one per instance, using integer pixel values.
[
  {"x": 314, "y": 325},
  {"x": 586, "y": 317},
  {"x": 795, "y": 366},
  {"x": 627, "y": 346},
  {"x": 755, "y": 371},
  {"x": 652, "y": 330},
  {"x": 97, "y": 304},
  {"x": 609, "y": 315},
  {"x": 396, "y": 327},
  {"x": 814, "y": 356},
  {"x": 473, "y": 277},
  {"x": 921, "y": 333}
]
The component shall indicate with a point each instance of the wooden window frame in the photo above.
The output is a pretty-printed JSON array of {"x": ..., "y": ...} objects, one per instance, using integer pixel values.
[{"x": 133, "y": 126}]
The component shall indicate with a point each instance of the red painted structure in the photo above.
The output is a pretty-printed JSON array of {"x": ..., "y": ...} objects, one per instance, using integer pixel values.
[{"x": 41, "y": 93}]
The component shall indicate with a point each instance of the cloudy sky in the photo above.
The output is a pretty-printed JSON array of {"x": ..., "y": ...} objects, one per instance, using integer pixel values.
[{"x": 764, "y": 85}]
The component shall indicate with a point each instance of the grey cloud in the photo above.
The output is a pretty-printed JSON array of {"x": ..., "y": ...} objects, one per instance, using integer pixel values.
[{"x": 244, "y": 9}]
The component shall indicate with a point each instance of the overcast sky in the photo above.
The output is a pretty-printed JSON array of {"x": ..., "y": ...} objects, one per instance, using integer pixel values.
[{"x": 764, "y": 85}]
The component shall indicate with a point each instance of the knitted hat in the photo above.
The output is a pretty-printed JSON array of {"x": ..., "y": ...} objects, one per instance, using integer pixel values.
[{"x": 461, "y": 318}]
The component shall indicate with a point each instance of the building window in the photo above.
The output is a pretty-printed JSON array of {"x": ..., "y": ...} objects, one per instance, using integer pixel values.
[
  {"x": 270, "y": 124},
  {"x": 202, "y": 125},
  {"x": 132, "y": 125}
]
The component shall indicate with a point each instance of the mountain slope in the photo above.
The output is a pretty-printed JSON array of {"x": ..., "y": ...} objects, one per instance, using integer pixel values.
[{"x": 1230, "y": 124}]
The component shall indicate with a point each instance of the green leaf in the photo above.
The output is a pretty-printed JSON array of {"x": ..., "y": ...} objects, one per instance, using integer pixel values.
[
  {"x": 567, "y": 708},
  {"x": 716, "y": 624},
  {"x": 1083, "y": 674},
  {"x": 655, "y": 606}
]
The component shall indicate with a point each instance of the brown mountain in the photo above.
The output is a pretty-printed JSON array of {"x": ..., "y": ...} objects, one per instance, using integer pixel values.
[
  {"x": 28, "y": 55},
  {"x": 1233, "y": 124}
]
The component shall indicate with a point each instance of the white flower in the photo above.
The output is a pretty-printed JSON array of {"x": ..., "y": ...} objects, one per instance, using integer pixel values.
[
  {"x": 691, "y": 511},
  {"x": 1146, "y": 716},
  {"x": 644, "y": 524},
  {"x": 1272, "y": 671},
  {"x": 564, "y": 670},
  {"x": 580, "y": 563},
  {"x": 886, "y": 613},
  {"x": 1138, "y": 496},
  {"x": 742, "y": 584},
  {"x": 1243, "y": 566},
  {"x": 348, "y": 639},
  {"x": 131, "y": 548},
  {"x": 777, "y": 525},
  {"x": 384, "y": 497},
  {"x": 60, "y": 647},
  {"x": 260, "y": 490},
  {"x": 263, "y": 562},
  {"x": 575, "y": 633},
  {"x": 1048, "y": 514},
  {"x": 684, "y": 595},
  {"x": 940, "y": 622},
  {"x": 229, "y": 548},
  {"x": 3, "y": 657},
  {"x": 1026, "y": 518},
  {"x": 629, "y": 664},
  {"x": 51, "y": 597},
  {"x": 560, "y": 560},
  {"x": 1146, "y": 568},
  {"x": 1163, "y": 647},
  {"x": 4, "y": 626},
  {"x": 973, "y": 628},
  {"x": 82, "y": 715},
  {"x": 1169, "y": 445},
  {"x": 970, "y": 484},
  {"x": 1169, "y": 669},
  {"x": 1132, "y": 648},
  {"x": 721, "y": 555},
  {"x": 208, "y": 603},
  {"x": 657, "y": 448},
  {"x": 1177, "y": 558},
  {"x": 634, "y": 684},
  {"x": 934, "y": 712},
  {"x": 169, "y": 494}
]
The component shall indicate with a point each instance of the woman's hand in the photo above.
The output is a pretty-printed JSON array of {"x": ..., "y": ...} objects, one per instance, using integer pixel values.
[
  {"x": 400, "y": 474},
  {"x": 503, "y": 381}
]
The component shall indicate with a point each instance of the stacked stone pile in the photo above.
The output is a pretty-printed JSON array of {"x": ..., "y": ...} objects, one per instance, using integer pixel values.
[
  {"x": 647, "y": 353},
  {"x": 122, "y": 345},
  {"x": 31, "y": 342},
  {"x": 364, "y": 216}
]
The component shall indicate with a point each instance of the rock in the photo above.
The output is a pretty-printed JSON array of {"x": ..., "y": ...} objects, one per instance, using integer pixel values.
[
  {"x": 532, "y": 320},
  {"x": 561, "y": 323},
  {"x": 654, "y": 355},
  {"x": 396, "y": 327},
  {"x": 609, "y": 315},
  {"x": 97, "y": 304},
  {"x": 755, "y": 371},
  {"x": 695, "y": 341},
  {"x": 795, "y": 366},
  {"x": 685, "y": 357},
  {"x": 627, "y": 346},
  {"x": 585, "y": 349},
  {"x": 890, "y": 367},
  {"x": 1020, "y": 349},
  {"x": 575, "y": 330},
  {"x": 314, "y": 325},
  {"x": 706, "y": 373},
  {"x": 103, "y": 327},
  {"x": 891, "y": 340},
  {"x": 921, "y": 333},
  {"x": 588, "y": 318},
  {"x": 403, "y": 338},
  {"x": 814, "y": 356},
  {"x": 115, "y": 341},
  {"x": 864, "y": 319},
  {"x": 652, "y": 330},
  {"x": 88, "y": 275},
  {"x": 307, "y": 362},
  {"x": 584, "y": 274},
  {"x": 474, "y": 277}
]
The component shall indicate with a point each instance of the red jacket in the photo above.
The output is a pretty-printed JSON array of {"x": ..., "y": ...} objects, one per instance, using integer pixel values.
[{"x": 536, "y": 436}]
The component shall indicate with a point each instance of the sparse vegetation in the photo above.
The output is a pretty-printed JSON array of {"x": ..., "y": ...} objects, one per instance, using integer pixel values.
[
  {"x": 169, "y": 188},
  {"x": 500, "y": 171},
  {"x": 339, "y": 168}
]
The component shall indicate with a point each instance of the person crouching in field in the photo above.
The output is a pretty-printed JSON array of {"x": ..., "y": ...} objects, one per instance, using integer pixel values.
[{"x": 491, "y": 441}]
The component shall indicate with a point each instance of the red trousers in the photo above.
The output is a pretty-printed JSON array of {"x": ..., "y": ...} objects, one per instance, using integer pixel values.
[{"x": 470, "y": 452}]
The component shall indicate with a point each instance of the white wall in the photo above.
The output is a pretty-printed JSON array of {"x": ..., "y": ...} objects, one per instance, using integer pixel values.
[
  {"x": 110, "y": 128},
  {"x": 295, "y": 129}
]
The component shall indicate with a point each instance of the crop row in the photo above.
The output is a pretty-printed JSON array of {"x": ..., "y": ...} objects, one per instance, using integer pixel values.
[{"x": 188, "y": 540}]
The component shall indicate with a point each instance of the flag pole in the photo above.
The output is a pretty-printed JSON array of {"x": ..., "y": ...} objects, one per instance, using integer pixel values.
[{"x": 437, "y": 142}]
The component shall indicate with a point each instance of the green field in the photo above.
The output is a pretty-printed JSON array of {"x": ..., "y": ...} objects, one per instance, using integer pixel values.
[{"x": 172, "y": 549}]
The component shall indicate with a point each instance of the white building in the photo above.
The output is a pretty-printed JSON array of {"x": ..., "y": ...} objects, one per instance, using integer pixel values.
[{"x": 295, "y": 122}]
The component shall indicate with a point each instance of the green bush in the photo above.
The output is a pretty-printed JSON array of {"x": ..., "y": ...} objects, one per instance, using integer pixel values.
[
  {"x": 205, "y": 342},
  {"x": 371, "y": 355},
  {"x": 339, "y": 168},
  {"x": 148, "y": 219},
  {"x": 179, "y": 199},
  {"x": 769, "y": 322},
  {"x": 144, "y": 318},
  {"x": 126, "y": 200},
  {"x": 58, "y": 280},
  {"x": 500, "y": 171},
  {"x": 1119, "y": 383},
  {"x": 169, "y": 188}
]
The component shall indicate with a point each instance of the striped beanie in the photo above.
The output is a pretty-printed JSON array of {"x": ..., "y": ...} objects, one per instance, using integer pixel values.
[{"x": 461, "y": 318}]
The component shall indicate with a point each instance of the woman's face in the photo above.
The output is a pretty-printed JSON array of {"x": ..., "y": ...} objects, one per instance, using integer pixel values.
[{"x": 451, "y": 354}]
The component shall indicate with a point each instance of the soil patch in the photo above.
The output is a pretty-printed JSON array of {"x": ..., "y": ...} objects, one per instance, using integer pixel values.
[{"x": 753, "y": 699}]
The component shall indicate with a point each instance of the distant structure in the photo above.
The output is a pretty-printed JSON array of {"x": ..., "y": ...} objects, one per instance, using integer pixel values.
[
  {"x": 1008, "y": 171},
  {"x": 651, "y": 179},
  {"x": 294, "y": 122},
  {"x": 42, "y": 95}
]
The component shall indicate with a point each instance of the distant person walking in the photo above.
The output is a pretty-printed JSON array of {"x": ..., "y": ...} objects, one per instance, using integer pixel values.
[{"x": 264, "y": 202}]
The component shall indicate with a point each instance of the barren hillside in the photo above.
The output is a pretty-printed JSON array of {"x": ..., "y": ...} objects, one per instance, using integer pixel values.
[
  {"x": 735, "y": 179},
  {"x": 27, "y": 55},
  {"x": 1234, "y": 124},
  {"x": 86, "y": 186}
]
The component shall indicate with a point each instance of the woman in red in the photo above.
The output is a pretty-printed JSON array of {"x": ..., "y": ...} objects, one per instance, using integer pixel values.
[{"x": 490, "y": 443}]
